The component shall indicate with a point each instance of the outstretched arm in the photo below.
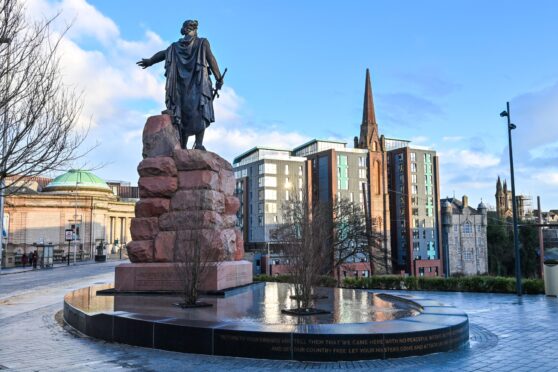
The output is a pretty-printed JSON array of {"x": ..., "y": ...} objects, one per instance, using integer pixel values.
[{"x": 157, "y": 57}]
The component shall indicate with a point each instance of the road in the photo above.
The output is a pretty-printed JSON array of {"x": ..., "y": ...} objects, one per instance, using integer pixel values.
[{"x": 507, "y": 333}]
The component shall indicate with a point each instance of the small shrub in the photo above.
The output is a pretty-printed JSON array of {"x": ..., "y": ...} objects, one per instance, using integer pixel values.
[{"x": 533, "y": 286}]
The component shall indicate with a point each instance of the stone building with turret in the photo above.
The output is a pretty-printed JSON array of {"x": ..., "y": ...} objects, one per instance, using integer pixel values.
[{"x": 464, "y": 236}]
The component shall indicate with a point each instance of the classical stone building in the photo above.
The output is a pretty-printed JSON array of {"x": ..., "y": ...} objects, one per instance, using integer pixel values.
[
  {"x": 464, "y": 236},
  {"x": 40, "y": 213}
]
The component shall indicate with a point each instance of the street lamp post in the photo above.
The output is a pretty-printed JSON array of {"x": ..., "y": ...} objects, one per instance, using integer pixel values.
[
  {"x": 511, "y": 127},
  {"x": 4, "y": 40}
]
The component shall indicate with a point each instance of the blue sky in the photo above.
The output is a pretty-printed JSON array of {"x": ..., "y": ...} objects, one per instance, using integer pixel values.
[{"x": 442, "y": 71}]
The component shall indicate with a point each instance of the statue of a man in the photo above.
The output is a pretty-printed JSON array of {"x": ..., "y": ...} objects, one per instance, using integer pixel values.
[{"x": 189, "y": 93}]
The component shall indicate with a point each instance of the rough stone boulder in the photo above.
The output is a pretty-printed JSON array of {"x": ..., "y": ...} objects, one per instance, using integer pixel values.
[{"x": 186, "y": 198}]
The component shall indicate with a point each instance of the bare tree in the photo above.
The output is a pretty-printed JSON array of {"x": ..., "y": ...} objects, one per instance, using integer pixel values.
[
  {"x": 304, "y": 235},
  {"x": 38, "y": 112},
  {"x": 193, "y": 259},
  {"x": 349, "y": 235}
]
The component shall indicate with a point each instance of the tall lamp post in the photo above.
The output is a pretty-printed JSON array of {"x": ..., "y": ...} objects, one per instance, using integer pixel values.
[
  {"x": 3, "y": 40},
  {"x": 511, "y": 127}
]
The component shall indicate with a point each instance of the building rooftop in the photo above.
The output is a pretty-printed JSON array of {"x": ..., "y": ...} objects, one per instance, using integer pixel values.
[{"x": 77, "y": 179}]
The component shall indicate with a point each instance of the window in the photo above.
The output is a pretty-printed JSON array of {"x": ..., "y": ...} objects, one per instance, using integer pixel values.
[
  {"x": 245, "y": 172},
  {"x": 413, "y": 156},
  {"x": 427, "y": 158},
  {"x": 270, "y": 208},
  {"x": 287, "y": 183},
  {"x": 268, "y": 181},
  {"x": 468, "y": 255},
  {"x": 467, "y": 228},
  {"x": 428, "y": 211},
  {"x": 414, "y": 189},
  {"x": 261, "y": 169},
  {"x": 260, "y": 208},
  {"x": 362, "y": 161},
  {"x": 362, "y": 173},
  {"x": 416, "y": 246},
  {"x": 479, "y": 241},
  {"x": 260, "y": 195},
  {"x": 415, "y": 234},
  {"x": 414, "y": 167},
  {"x": 413, "y": 178},
  {"x": 286, "y": 169},
  {"x": 455, "y": 228},
  {"x": 300, "y": 183},
  {"x": 260, "y": 220},
  {"x": 300, "y": 170},
  {"x": 287, "y": 195},
  {"x": 478, "y": 228},
  {"x": 269, "y": 168},
  {"x": 415, "y": 212},
  {"x": 270, "y": 194}
]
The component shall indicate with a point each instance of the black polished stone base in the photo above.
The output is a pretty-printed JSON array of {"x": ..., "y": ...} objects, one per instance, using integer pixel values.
[{"x": 436, "y": 328}]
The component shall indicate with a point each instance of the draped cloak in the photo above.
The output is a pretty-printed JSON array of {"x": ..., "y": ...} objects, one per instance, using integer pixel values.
[{"x": 188, "y": 88}]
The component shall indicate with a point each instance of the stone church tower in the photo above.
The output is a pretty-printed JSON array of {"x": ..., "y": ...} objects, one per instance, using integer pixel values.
[
  {"x": 503, "y": 200},
  {"x": 378, "y": 196}
]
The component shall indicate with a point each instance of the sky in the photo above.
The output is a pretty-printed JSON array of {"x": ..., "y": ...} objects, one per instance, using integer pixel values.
[{"x": 442, "y": 71}]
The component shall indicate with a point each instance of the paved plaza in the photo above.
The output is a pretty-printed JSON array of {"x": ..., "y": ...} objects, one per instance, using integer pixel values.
[{"x": 507, "y": 333}]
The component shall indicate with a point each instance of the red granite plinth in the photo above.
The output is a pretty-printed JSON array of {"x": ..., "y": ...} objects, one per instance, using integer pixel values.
[{"x": 141, "y": 277}]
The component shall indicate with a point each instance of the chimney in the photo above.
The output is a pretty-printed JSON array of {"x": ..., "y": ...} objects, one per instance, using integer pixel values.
[{"x": 465, "y": 201}]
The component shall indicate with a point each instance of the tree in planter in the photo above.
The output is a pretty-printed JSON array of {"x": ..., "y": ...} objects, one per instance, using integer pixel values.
[
  {"x": 304, "y": 235},
  {"x": 193, "y": 259},
  {"x": 38, "y": 113}
]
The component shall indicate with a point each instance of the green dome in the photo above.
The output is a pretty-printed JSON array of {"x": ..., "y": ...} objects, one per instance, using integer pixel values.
[{"x": 77, "y": 179}]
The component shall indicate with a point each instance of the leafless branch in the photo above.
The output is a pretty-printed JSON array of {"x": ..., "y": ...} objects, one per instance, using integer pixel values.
[{"x": 38, "y": 112}]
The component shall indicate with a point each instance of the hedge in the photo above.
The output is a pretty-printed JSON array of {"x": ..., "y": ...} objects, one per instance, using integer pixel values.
[
  {"x": 487, "y": 284},
  {"x": 325, "y": 280}
]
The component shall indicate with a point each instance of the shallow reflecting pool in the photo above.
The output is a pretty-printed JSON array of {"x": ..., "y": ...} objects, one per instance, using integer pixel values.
[{"x": 260, "y": 303}]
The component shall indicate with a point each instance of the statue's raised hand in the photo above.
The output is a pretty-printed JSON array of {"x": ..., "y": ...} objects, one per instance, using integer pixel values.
[{"x": 144, "y": 63}]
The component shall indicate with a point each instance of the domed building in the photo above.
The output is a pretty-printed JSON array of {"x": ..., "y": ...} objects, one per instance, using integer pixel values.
[{"x": 40, "y": 211}]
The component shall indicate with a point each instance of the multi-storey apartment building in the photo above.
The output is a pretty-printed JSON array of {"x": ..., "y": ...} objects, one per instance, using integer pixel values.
[
  {"x": 265, "y": 179},
  {"x": 398, "y": 187},
  {"x": 464, "y": 236},
  {"x": 415, "y": 217}
]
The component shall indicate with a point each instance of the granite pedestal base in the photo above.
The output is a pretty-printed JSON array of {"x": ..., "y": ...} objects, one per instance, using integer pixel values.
[{"x": 156, "y": 277}]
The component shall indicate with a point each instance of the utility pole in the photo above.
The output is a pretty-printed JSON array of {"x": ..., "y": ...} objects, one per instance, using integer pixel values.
[
  {"x": 541, "y": 238},
  {"x": 511, "y": 127}
]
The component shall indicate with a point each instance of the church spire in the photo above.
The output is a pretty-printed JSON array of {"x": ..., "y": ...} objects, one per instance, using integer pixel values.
[
  {"x": 368, "y": 128},
  {"x": 499, "y": 185},
  {"x": 368, "y": 114}
]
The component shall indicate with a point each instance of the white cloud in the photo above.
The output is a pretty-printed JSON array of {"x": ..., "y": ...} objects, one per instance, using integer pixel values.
[{"x": 468, "y": 159}]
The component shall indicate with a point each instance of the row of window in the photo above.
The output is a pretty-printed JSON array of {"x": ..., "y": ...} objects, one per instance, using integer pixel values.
[
  {"x": 271, "y": 168},
  {"x": 271, "y": 181},
  {"x": 467, "y": 228},
  {"x": 479, "y": 241}
]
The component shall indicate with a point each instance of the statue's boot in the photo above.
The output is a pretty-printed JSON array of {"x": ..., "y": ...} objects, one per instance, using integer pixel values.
[{"x": 199, "y": 140}]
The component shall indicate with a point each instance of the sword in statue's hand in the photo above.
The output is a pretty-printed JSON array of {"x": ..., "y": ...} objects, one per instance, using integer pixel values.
[{"x": 216, "y": 90}]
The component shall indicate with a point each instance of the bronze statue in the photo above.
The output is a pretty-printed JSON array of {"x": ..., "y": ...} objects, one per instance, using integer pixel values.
[{"x": 189, "y": 92}]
